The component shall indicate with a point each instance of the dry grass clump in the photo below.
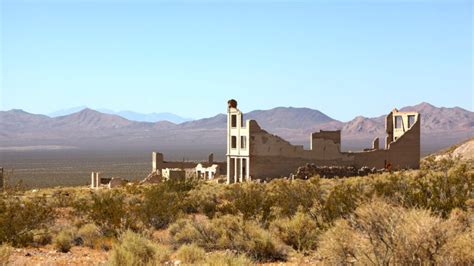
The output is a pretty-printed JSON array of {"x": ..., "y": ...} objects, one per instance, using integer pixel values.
[
  {"x": 63, "y": 240},
  {"x": 299, "y": 231},
  {"x": 89, "y": 234},
  {"x": 229, "y": 232},
  {"x": 191, "y": 253},
  {"x": 380, "y": 233},
  {"x": 228, "y": 259},
  {"x": 134, "y": 249},
  {"x": 20, "y": 217}
]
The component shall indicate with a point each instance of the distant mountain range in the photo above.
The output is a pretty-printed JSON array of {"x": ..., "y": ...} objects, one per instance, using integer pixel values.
[
  {"x": 90, "y": 129},
  {"x": 130, "y": 115}
]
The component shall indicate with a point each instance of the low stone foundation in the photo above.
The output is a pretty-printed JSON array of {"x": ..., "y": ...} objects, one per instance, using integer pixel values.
[{"x": 310, "y": 170}]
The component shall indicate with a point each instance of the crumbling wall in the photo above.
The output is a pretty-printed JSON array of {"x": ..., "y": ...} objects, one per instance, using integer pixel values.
[
  {"x": 310, "y": 170},
  {"x": 271, "y": 156},
  {"x": 158, "y": 163}
]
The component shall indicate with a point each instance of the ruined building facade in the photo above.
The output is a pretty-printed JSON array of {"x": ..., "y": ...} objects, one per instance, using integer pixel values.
[{"x": 253, "y": 153}]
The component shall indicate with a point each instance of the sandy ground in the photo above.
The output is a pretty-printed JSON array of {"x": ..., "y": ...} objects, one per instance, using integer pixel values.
[{"x": 48, "y": 256}]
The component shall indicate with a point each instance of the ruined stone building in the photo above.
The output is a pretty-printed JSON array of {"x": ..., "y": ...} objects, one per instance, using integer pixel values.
[
  {"x": 174, "y": 169},
  {"x": 253, "y": 153}
]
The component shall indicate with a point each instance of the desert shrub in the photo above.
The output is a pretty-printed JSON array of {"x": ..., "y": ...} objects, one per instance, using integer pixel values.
[
  {"x": 337, "y": 246},
  {"x": 191, "y": 254},
  {"x": 41, "y": 237},
  {"x": 108, "y": 210},
  {"x": 299, "y": 232},
  {"x": 287, "y": 196},
  {"x": 89, "y": 233},
  {"x": 229, "y": 232},
  {"x": 247, "y": 199},
  {"x": 19, "y": 218},
  {"x": 63, "y": 240},
  {"x": 237, "y": 234},
  {"x": 63, "y": 197},
  {"x": 5, "y": 253},
  {"x": 227, "y": 259},
  {"x": 380, "y": 233},
  {"x": 459, "y": 250},
  {"x": 134, "y": 249},
  {"x": 164, "y": 202},
  {"x": 447, "y": 185},
  {"x": 206, "y": 197},
  {"x": 260, "y": 244},
  {"x": 342, "y": 200},
  {"x": 189, "y": 231}
]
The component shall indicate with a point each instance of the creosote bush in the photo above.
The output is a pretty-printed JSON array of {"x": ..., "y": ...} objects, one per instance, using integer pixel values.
[
  {"x": 228, "y": 259},
  {"x": 19, "y": 218},
  {"x": 191, "y": 253},
  {"x": 63, "y": 240},
  {"x": 300, "y": 231},
  {"x": 134, "y": 249},
  {"x": 109, "y": 210},
  {"x": 380, "y": 233},
  {"x": 89, "y": 234},
  {"x": 164, "y": 202},
  {"x": 232, "y": 233}
]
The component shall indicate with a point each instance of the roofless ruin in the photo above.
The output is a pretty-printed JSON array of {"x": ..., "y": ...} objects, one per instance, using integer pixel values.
[{"x": 253, "y": 153}]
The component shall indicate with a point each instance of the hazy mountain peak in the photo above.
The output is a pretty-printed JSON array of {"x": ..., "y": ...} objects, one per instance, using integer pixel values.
[
  {"x": 90, "y": 127},
  {"x": 130, "y": 115}
]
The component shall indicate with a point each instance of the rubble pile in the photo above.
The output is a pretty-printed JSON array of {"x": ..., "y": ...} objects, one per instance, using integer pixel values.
[
  {"x": 309, "y": 170},
  {"x": 152, "y": 178}
]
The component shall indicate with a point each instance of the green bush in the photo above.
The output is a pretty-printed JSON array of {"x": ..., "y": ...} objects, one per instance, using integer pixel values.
[
  {"x": 89, "y": 233},
  {"x": 286, "y": 196},
  {"x": 206, "y": 198},
  {"x": 163, "y": 203},
  {"x": 109, "y": 210},
  {"x": 193, "y": 231},
  {"x": 191, "y": 254},
  {"x": 249, "y": 200},
  {"x": 134, "y": 249},
  {"x": 63, "y": 240},
  {"x": 19, "y": 218},
  {"x": 299, "y": 232}
]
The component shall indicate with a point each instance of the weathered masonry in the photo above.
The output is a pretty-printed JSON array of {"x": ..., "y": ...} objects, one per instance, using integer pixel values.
[
  {"x": 253, "y": 153},
  {"x": 204, "y": 169}
]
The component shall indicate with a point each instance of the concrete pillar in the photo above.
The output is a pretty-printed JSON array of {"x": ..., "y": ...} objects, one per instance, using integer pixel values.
[
  {"x": 93, "y": 183},
  {"x": 247, "y": 177},
  {"x": 153, "y": 161},
  {"x": 97, "y": 179},
  {"x": 228, "y": 170},
  {"x": 236, "y": 171},
  {"x": 241, "y": 170}
]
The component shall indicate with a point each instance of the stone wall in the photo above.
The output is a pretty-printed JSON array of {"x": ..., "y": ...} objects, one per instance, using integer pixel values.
[
  {"x": 271, "y": 156},
  {"x": 310, "y": 170}
]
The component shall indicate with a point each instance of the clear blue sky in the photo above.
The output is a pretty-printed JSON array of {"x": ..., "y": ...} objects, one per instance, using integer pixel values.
[{"x": 345, "y": 58}]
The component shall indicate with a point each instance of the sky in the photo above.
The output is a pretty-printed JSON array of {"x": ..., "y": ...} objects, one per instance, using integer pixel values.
[{"x": 344, "y": 58}]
